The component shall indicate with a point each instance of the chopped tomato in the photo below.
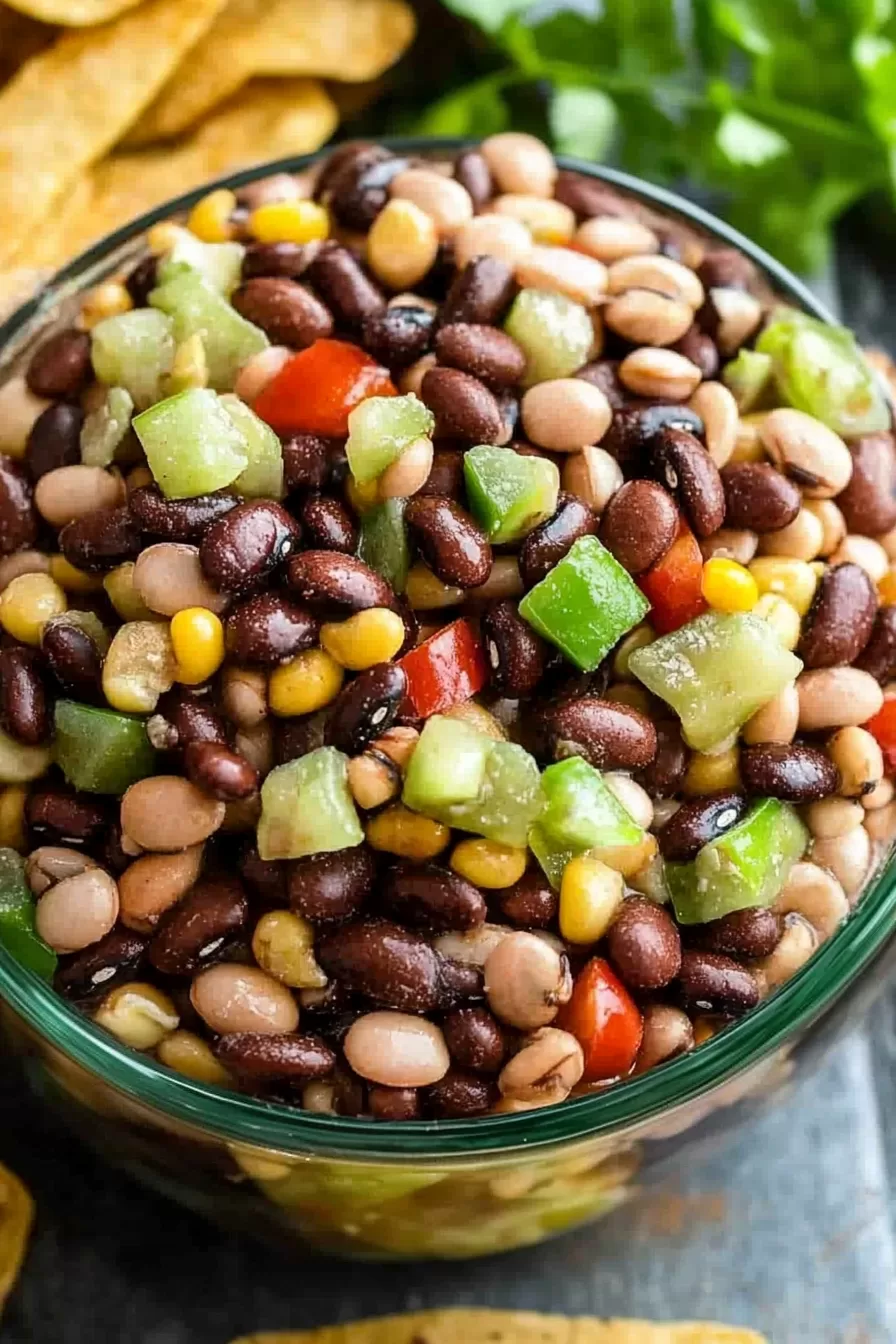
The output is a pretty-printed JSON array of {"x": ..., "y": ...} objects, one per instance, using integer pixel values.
[
  {"x": 673, "y": 585},
  {"x": 605, "y": 1021},
  {"x": 444, "y": 670},
  {"x": 882, "y": 728},
  {"x": 315, "y": 390}
]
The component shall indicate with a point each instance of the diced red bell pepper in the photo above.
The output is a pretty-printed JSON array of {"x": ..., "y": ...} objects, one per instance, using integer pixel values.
[
  {"x": 882, "y": 728},
  {"x": 605, "y": 1021},
  {"x": 315, "y": 390},
  {"x": 673, "y": 584},
  {"x": 444, "y": 670}
]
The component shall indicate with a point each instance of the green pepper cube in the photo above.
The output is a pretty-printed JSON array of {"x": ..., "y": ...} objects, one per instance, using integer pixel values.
[
  {"x": 581, "y": 812},
  {"x": 134, "y": 351},
  {"x": 306, "y": 807},
  {"x": 447, "y": 766},
  {"x": 380, "y": 429},
  {"x": 509, "y": 494},
  {"x": 745, "y": 867},
  {"x": 105, "y": 429},
  {"x": 263, "y": 477},
  {"x": 193, "y": 446},
  {"x": 17, "y": 932},
  {"x": 219, "y": 264},
  {"x": 555, "y": 333},
  {"x": 383, "y": 543},
  {"x": 748, "y": 378},
  {"x": 715, "y": 672},
  {"x": 586, "y": 604},
  {"x": 100, "y": 750},
  {"x": 509, "y": 801},
  {"x": 196, "y": 307}
]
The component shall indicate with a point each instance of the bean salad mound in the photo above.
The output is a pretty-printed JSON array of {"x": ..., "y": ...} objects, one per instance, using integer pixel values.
[{"x": 448, "y": 619}]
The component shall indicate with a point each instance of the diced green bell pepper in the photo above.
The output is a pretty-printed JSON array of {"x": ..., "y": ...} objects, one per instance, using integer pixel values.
[
  {"x": 192, "y": 443},
  {"x": 581, "y": 812},
  {"x": 100, "y": 750},
  {"x": 745, "y": 867},
  {"x": 820, "y": 369},
  {"x": 17, "y": 933},
  {"x": 715, "y": 672},
  {"x": 447, "y": 766},
  {"x": 586, "y": 604},
  {"x": 509, "y": 801},
  {"x": 383, "y": 543},
  {"x": 555, "y": 332},
  {"x": 509, "y": 494},
  {"x": 306, "y": 807},
  {"x": 748, "y": 377},
  {"x": 135, "y": 351},
  {"x": 220, "y": 264},
  {"x": 105, "y": 429},
  {"x": 195, "y": 306},
  {"x": 263, "y": 478},
  {"x": 379, "y": 431}
]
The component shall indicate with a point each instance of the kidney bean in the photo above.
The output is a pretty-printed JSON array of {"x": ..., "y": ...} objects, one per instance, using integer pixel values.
[
  {"x": 99, "y": 967},
  {"x": 54, "y": 440},
  {"x": 185, "y": 715},
  {"x": 481, "y": 292},
  {"x": 197, "y": 929},
  {"x": 453, "y": 545},
  {"x": 60, "y": 366},
  {"x": 57, "y": 816},
  {"x": 178, "y": 519},
  {"x": 242, "y": 548},
  {"x": 459, "y": 983},
  {"x": 389, "y": 965},
  {"x": 328, "y": 525},
  {"x": 142, "y": 280},
  {"x": 24, "y": 710},
  {"x": 220, "y": 772},
  {"x": 296, "y": 737},
  {"x": 463, "y": 406},
  {"x": 609, "y": 735},
  {"x": 794, "y": 772},
  {"x": 398, "y": 335},
  {"x": 269, "y": 629},
  {"x": 277, "y": 259},
  {"x": 879, "y": 655},
  {"x": 359, "y": 186},
  {"x": 475, "y": 1039},
  {"x": 712, "y": 983},
  {"x": 516, "y": 654},
  {"x": 698, "y": 821},
  {"x": 329, "y": 579},
  {"x": 167, "y": 813},
  {"x": 433, "y": 898},
  {"x": 446, "y": 475},
  {"x": 366, "y": 708},
  {"x": 868, "y": 502},
  {"x": 350, "y": 294},
  {"x": 393, "y": 1103},
  {"x": 686, "y": 468},
  {"x": 460, "y": 1095},
  {"x": 329, "y": 888},
  {"x": 639, "y": 524},
  {"x": 727, "y": 268},
  {"x": 73, "y": 659},
  {"x": 486, "y": 352},
  {"x": 287, "y": 312},
  {"x": 18, "y": 516},
  {"x": 265, "y": 878},
  {"x": 548, "y": 543},
  {"x": 758, "y": 497},
  {"x": 531, "y": 903},
  {"x": 101, "y": 539},
  {"x": 305, "y": 462},
  {"x": 644, "y": 944},
  {"x": 633, "y": 428},
  {"x": 260, "y": 1055},
  {"x": 839, "y": 622},
  {"x": 700, "y": 349},
  {"x": 744, "y": 933},
  {"x": 243, "y": 998},
  {"x": 662, "y": 778}
]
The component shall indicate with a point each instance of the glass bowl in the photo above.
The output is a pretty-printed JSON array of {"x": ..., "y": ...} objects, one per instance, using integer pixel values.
[{"x": 427, "y": 1189}]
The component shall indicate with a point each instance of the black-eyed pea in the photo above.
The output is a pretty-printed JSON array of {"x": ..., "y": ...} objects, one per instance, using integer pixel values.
[
  {"x": 409, "y": 473},
  {"x": 748, "y": 445},
  {"x": 863, "y": 551},
  {"x": 859, "y": 759},
  {"x": 138, "y": 1015},
  {"x": 283, "y": 945},
  {"x": 816, "y": 894},
  {"x": 397, "y": 1050},
  {"x": 593, "y": 476},
  {"x": 881, "y": 824},
  {"x": 188, "y": 1054},
  {"x": 259, "y": 370},
  {"x": 168, "y": 578},
  {"x": 68, "y": 493},
  {"x": 653, "y": 371},
  {"x": 668, "y": 1032},
  {"x": 796, "y": 945},
  {"x": 373, "y": 780},
  {"x": 77, "y": 911},
  {"x": 880, "y": 796},
  {"x": 731, "y": 543},
  {"x": 847, "y": 856},
  {"x": 444, "y": 200},
  {"x": 660, "y": 274},
  {"x": 498, "y": 236},
  {"x": 545, "y": 1069},
  {"x": 734, "y": 314},
  {"x": 474, "y": 947},
  {"x": 139, "y": 667},
  {"x": 837, "y": 697},
  {"x": 776, "y": 720},
  {"x": 716, "y": 407},
  {"x": 19, "y": 408},
  {"x": 232, "y": 998},
  {"x": 782, "y": 616},
  {"x": 402, "y": 244},
  {"x": 802, "y": 539},
  {"x": 642, "y": 315},
  {"x": 806, "y": 450},
  {"x": 520, "y": 162},
  {"x": 526, "y": 981},
  {"x": 580, "y": 278},
  {"x": 610, "y": 239},
  {"x": 833, "y": 524},
  {"x": 49, "y": 864},
  {"x": 636, "y": 801},
  {"x": 565, "y": 414},
  {"x": 832, "y": 817}
]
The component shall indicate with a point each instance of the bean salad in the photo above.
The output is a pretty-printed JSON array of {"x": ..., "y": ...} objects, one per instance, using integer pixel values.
[{"x": 448, "y": 619}]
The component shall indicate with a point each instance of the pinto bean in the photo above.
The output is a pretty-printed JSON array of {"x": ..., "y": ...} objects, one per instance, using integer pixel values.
[
  {"x": 168, "y": 813},
  {"x": 840, "y": 620}
]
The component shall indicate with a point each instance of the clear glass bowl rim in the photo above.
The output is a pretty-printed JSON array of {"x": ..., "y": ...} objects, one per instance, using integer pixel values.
[{"x": 240, "y": 1119}]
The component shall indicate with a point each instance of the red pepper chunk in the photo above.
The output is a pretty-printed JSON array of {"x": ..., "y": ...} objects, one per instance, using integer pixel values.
[
  {"x": 605, "y": 1021},
  {"x": 315, "y": 390},
  {"x": 673, "y": 584},
  {"x": 882, "y": 728},
  {"x": 444, "y": 670}
]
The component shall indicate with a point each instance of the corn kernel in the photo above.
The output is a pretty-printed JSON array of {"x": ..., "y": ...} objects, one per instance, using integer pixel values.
[
  {"x": 283, "y": 945},
  {"x": 28, "y": 603},
  {"x": 712, "y": 774},
  {"x": 781, "y": 616},
  {"x": 289, "y": 222},
  {"x": 728, "y": 586},
  {"x": 107, "y": 300},
  {"x": 197, "y": 637},
  {"x": 887, "y": 587},
  {"x": 486, "y": 863},
  {"x": 306, "y": 683},
  {"x": 139, "y": 667},
  {"x": 71, "y": 579},
  {"x": 398, "y": 830},
  {"x": 795, "y": 580},
  {"x": 210, "y": 218},
  {"x": 627, "y": 859},
  {"x": 591, "y": 895},
  {"x": 12, "y": 817},
  {"x": 119, "y": 586},
  {"x": 190, "y": 1055},
  {"x": 163, "y": 236},
  {"x": 427, "y": 593},
  {"x": 478, "y": 717},
  {"x": 368, "y": 637},
  {"x": 138, "y": 1015},
  {"x": 402, "y": 244}
]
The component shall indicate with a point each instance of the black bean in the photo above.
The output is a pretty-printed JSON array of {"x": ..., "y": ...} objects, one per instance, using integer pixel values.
[
  {"x": 548, "y": 543},
  {"x": 398, "y": 335},
  {"x": 178, "y": 519},
  {"x": 54, "y": 440},
  {"x": 185, "y": 715},
  {"x": 663, "y": 777},
  {"x": 452, "y": 543},
  {"x": 327, "y": 524},
  {"x": 305, "y": 462},
  {"x": 265, "y": 878},
  {"x": 589, "y": 197},
  {"x": 433, "y": 898},
  {"x": 604, "y": 374},
  {"x": 57, "y": 816},
  {"x": 287, "y": 312},
  {"x": 698, "y": 821},
  {"x": 328, "y": 579},
  {"x": 220, "y": 772},
  {"x": 74, "y": 660},
  {"x": 839, "y": 622},
  {"x": 459, "y": 983},
  {"x": 359, "y": 187},
  {"x": 683, "y": 465},
  {"x": 726, "y": 268},
  {"x": 644, "y": 944},
  {"x": 868, "y": 502},
  {"x": 347, "y": 290},
  {"x": 198, "y": 929},
  {"x": 486, "y": 352},
  {"x": 366, "y": 708},
  {"x": 24, "y": 710},
  {"x": 100, "y": 967},
  {"x": 389, "y": 965},
  {"x": 143, "y": 280},
  {"x": 296, "y": 737},
  {"x": 459, "y": 1095},
  {"x": 791, "y": 771},
  {"x": 700, "y": 349},
  {"x": 754, "y": 932},
  {"x": 481, "y": 292},
  {"x": 531, "y": 903},
  {"x": 269, "y": 628},
  {"x": 463, "y": 406},
  {"x": 639, "y": 524},
  {"x": 329, "y": 888},
  {"x": 101, "y": 540},
  {"x": 246, "y": 545},
  {"x": 60, "y": 366},
  {"x": 393, "y": 1103},
  {"x": 18, "y": 516},
  {"x": 633, "y": 429},
  {"x": 446, "y": 475},
  {"x": 516, "y": 654},
  {"x": 261, "y": 1055},
  {"x": 475, "y": 1039},
  {"x": 712, "y": 983},
  {"x": 609, "y": 735},
  {"x": 286, "y": 259}
]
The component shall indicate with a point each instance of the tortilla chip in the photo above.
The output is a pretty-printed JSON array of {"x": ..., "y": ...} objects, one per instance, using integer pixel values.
[
  {"x": 268, "y": 119},
  {"x": 16, "y": 1217},
  {"x": 71, "y": 103},
  {"x": 73, "y": 13},
  {"x": 484, "y": 1326},
  {"x": 349, "y": 40},
  {"x": 20, "y": 38}
]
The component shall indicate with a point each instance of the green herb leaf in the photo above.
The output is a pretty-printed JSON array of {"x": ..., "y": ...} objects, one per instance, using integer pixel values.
[{"x": 582, "y": 121}]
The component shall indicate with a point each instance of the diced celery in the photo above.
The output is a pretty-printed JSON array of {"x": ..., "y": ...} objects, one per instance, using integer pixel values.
[
  {"x": 104, "y": 429},
  {"x": 263, "y": 478},
  {"x": 581, "y": 812},
  {"x": 218, "y": 263},
  {"x": 379, "y": 431},
  {"x": 306, "y": 807},
  {"x": 745, "y": 867},
  {"x": 555, "y": 332},
  {"x": 447, "y": 765},
  {"x": 715, "y": 672},
  {"x": 748, "y": 377},
  {"x": 585, "y": 604},
  {"x": 509, "y": 801},
  {"x": 821, "y": 370},
  {"x": 17, "y": 933},
  {"x": 383, "y": 544},
  {"x": 100, "y": 750},
  {"x": 509, "y": 494},
  {"x": 192, "y": 443},
  {"x": 195, "y": 306},
  {"x": 134, "y": 350}
]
